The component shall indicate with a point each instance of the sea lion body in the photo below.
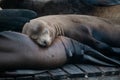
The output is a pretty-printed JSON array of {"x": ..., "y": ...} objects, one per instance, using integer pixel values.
[
  {"x": 101, "y": 8},
  {"x": 23, "y": 53},
  {"x": 86, "y": 29}
]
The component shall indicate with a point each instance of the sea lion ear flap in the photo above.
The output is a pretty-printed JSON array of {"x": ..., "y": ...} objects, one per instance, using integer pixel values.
[{"x": 101, "y": 2}]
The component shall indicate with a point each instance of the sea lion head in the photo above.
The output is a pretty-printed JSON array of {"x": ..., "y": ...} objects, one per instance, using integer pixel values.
[{"x": 40, "y": 32}]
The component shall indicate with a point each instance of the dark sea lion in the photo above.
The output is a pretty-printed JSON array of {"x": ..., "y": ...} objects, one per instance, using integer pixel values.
[
  {"x": 18, "y": 13},
  {"x": 12, "y": 23},
  {"x": 23, "y": 53},
  {"x": 93, "y": 31},
  {"x": 14, "y": 19}
]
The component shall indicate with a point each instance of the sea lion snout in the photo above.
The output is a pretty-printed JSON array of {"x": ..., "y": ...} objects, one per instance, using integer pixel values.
[{"x": 44, "y": 40}]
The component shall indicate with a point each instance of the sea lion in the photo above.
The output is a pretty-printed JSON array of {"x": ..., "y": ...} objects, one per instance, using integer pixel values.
[
  {"x": 103, "y": 8},
  {"x": 93, "y": 31},
  {"x": 14, "y": 19},
  {"x": 23, "y": 53},
  {"x": 18, "y": 13}
]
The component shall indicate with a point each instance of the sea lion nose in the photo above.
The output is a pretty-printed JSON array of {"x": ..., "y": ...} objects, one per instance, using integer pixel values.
[{"x": 45, "y": 43}]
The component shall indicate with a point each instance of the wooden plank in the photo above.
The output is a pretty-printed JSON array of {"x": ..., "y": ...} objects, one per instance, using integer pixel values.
[
  {"x": 58, "y": 74},
  {"x": 24, "y": 72},
  {"x": 102, "y": 78},
  {"x": 90, "y": 70},
  {"x": 108, "y": 71},
  {"x": 25, "y": 78},
  {"x": 117, "y": 49},
  {"x": 7, "y": 78},
  {"x": 10, "y": 79},
  {"x": 43, "y": 76},
  {"x": 73, "y": 71},
  {"x": 2, "y": 78}
]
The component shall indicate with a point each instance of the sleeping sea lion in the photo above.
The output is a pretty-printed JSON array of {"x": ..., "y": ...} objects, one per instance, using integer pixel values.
[
  {"x": 93, "y": 31},
  {"x": 102, "y": 8}
]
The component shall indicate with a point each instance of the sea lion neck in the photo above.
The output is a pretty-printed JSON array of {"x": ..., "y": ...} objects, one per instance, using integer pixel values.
[
  {"x": 59, "y": 31},
  {"x": 56, "y": 29}
]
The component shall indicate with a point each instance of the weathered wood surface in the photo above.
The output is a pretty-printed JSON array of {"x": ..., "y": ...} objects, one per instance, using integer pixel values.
[{"x": 67, "y": 72}]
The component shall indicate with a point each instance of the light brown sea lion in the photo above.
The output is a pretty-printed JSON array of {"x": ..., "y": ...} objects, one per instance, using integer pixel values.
[{"x": 93, "y": 31}]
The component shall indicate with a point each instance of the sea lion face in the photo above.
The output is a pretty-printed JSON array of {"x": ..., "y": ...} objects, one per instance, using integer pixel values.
[
  {"x": 43, "y": 37},
  {"x": 39, "y": 32}
]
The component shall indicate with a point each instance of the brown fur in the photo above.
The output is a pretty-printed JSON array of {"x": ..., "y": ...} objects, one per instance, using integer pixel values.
[
  {"x": 48, "y": 7},
  {"x": 93, "y": 31},
  {"x": 112, "y": 13}
]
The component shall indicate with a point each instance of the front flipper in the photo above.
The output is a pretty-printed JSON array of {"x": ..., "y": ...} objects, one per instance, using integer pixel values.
[
  {"x": 80, "y": 53},
  {"x": 105, "y": 49},
  {"x": 98, "y": 45}
]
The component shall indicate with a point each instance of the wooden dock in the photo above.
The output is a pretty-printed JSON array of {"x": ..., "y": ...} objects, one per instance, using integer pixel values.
[{"x": 67, "y": 72}]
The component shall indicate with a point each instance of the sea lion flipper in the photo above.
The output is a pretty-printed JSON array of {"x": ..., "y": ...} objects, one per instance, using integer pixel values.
[
  {"x": 103, "y": 47},
  {"x": 81, "y": 53}
]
